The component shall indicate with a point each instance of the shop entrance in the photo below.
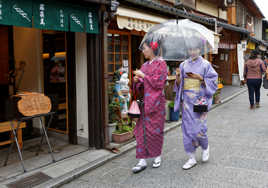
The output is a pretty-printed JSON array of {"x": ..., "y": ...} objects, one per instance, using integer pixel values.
[
  {"x": 137, "y": 56},
  {"x": 55, "y": 84}
]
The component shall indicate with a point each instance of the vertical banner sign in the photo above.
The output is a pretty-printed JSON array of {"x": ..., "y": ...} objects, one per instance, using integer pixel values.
[
  {"x": 240, "y": 58},
  {"x": 5, "y": 15},
  {"x": 77, "y": 19},
  {"x": 50, "y": 16},
  {"x": 21, "y": 13},
  {"x": 91, "y": 21}
]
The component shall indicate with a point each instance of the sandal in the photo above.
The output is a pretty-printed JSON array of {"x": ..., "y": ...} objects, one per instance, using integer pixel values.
[
  {"x": 138, "y": 168},
  {"x": 156, "y": 164}
]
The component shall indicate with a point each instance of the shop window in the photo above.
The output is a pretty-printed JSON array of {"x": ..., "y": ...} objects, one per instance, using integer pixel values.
[{"x": 118, "y": 51}]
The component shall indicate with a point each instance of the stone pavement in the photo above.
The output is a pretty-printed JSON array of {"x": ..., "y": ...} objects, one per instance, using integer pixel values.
[
  {"x": 66, "y": 170},
  {"x": 238, "y": 139},
  {"x": 229, "y": 90}
]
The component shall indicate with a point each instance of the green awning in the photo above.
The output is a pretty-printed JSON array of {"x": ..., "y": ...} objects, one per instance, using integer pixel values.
[
  {"x": 16, "y": 12},
  {"x": 50, "y": 15}
]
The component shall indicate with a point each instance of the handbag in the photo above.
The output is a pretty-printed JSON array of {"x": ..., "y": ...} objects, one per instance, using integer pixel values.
[
  {"x": 134, "y": 110},
  {"x": 265, "y": 82},
  {"x": 201, "y": 105}
]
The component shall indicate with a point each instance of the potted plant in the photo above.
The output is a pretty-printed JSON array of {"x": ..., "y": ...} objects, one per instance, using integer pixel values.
[
  {"x": 216, "y": 96},
  {"x": 174, "y": 116},
  {"x": 114, "y": 116},
  {"x": 124, "y": 130}
]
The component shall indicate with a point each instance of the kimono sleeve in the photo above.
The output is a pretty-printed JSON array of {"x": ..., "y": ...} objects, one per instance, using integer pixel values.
[
  {"x": 158, "y": 78},
  {"x": 138, "y": 86},
  {"x": 211, "y": 81},
  {"x": 176, "y": 86}
]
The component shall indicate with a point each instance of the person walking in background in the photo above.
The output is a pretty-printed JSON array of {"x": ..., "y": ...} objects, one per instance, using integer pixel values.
[
  {"x": 194, "y": 78},
  {"x": 253, "y": 69},
  {"x": 149, "y": 130}
]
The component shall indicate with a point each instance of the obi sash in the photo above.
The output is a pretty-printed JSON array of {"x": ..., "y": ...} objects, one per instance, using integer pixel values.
[{"x": 192, "y": 84}]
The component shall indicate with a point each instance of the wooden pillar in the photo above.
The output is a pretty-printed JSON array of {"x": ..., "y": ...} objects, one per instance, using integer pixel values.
[{"x": 231, "y": 14}]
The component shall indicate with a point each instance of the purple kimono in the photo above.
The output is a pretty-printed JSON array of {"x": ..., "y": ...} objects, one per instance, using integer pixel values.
[
  {"x": 153, "y": 111},
  {"x": 194, "y": 127}
]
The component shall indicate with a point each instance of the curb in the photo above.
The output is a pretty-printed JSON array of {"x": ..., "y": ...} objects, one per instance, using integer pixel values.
[
  {"x": 68, "y": 177},
  {"x": 228, "y": 98}
]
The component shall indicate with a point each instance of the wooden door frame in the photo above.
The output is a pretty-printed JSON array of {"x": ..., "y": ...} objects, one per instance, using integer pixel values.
[{"x": 71, "y": 88}]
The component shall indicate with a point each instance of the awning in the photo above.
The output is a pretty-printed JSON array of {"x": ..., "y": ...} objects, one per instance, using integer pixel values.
[
  {"x": 16, "y": 12},
  {"x": 136, "y": 20},
  {"x": 49, "y": 14}
]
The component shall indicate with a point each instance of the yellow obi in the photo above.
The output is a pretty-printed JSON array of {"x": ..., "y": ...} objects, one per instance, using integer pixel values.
[{"x": 192, "y": 84}]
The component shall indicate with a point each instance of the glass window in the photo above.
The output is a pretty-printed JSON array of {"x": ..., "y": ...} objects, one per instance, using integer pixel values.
[{"x": 118, "y": 50}]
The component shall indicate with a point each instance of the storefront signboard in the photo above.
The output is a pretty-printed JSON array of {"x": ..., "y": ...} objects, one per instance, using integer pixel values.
[
  {"x": 77, "y": 19},
  {"x": 91, "y": 19},
  {"x": 17, "y": 12},
  {"x": 50, "y": 15},
  {"x": 251, "y": 46},
  {"x": 226, "y": 46},
  {"x": 4, "y": 12}
]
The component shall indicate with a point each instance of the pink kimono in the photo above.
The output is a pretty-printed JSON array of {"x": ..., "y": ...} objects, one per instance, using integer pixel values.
[{"x": 152, "y": 118}]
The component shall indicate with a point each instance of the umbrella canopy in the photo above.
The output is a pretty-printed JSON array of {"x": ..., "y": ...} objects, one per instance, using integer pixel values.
[{"x": 177, "y": 37}]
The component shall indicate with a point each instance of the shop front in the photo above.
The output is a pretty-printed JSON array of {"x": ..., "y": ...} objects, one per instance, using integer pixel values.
[
  {"x": 125, "y": 33},
  {"x": 225, "y": 60},
  {"x": 45, "y": 50}
]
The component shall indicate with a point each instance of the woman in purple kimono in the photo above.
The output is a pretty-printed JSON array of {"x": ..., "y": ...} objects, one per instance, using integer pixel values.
[
  {"x": 149, "y": 84},
  {"x": 195, "y": 78}
]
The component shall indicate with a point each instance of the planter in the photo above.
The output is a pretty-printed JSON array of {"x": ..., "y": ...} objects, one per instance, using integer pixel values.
[
  {"x": 111, "y": 128},
  {"x": 216, "y": 97},
  {"x": 119, "y": 138},
  {"x": 174, "y": 116}
]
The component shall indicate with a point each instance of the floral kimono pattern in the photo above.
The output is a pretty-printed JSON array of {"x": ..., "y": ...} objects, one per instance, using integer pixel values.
[
  {"x": 153, "y": 110},
  {"x": 194, "y": 125}
]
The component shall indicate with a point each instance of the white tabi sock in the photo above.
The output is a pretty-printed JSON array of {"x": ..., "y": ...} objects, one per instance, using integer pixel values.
[
  {"x": 142, "y": 162},
  {"x": 191, "y": 155},
  {"x": 157, "y": 159}
]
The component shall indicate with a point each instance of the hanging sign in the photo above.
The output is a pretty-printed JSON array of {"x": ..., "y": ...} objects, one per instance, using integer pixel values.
[
  {"x": 50, "y": 15},
  {"x": 20, "y": 12},
  {"x": 77, "y": 19},
  {"x": 91, "y": 21},
  {"x": 5, "y": 15}
]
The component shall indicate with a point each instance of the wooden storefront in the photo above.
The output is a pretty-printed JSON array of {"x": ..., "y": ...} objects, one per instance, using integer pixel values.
[{"x": 226, "y": 59}]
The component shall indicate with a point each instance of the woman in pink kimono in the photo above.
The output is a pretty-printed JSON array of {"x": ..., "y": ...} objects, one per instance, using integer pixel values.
[{"x": 149, "y": 83}]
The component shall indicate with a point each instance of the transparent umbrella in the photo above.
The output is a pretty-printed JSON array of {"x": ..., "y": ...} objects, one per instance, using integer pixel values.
[{"x": 177, "y": 37}]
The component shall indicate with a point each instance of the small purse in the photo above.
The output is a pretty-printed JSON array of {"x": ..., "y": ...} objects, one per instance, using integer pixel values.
[
  {"x": 201, "y": 105},
  {"x": 265, "y": 81},
  {"x": 134, "y": 109}
]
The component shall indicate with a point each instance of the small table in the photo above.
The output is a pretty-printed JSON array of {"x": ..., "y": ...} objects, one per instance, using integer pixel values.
[
  {"x": 15, "y": 129},
  {"x": 6, "y": 127}
]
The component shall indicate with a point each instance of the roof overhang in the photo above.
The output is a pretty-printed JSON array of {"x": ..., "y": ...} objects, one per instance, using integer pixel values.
[{"x": 183, "y": 14}]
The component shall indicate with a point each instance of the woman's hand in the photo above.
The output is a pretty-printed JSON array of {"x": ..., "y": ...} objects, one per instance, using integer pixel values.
[
  {"x": 139, "y": 73},
  {"x": 136, "y": 79},
  {"x": 178, "y": 78},
  {"x": 178, "y": 72},
  {"x": 195, "y": 76}
]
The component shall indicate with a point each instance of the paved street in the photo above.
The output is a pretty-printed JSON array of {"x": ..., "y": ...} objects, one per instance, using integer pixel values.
[{"x": 238, "y": 140}]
